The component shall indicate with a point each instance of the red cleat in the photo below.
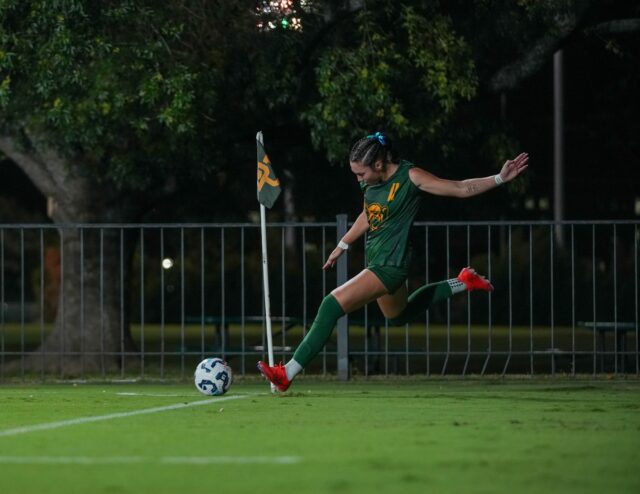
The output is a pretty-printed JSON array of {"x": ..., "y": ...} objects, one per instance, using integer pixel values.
[
  {"x": 474, "y": 281},
  {"x": 275, "y": 374}
]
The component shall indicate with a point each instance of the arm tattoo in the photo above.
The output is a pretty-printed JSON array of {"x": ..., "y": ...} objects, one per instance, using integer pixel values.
[{"x": 472, "y": 188}]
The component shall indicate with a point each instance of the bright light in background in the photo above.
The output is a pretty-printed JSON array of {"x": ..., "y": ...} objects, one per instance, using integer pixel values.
[
  {"x": 281, "y": 13},
  {"x": 167, "y": 263}
]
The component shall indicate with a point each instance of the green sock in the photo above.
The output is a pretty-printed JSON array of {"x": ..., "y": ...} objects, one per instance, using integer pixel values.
[
  {"x": 420, "y": 300},
  {"x": 328, "y": 314}
]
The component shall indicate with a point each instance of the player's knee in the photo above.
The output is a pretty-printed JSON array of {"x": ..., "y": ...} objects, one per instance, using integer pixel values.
[{"x": 332, "y": 305}]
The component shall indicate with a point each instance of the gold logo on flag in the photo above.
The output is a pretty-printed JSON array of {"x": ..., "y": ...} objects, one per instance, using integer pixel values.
[{"x": 263, "y": 174}]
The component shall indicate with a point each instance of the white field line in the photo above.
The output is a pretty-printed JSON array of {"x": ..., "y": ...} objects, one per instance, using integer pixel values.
[
  {"x": 164, "y": 460},
  {"x": 161, "y": 395},
  {"x": 84, "y": 420}
]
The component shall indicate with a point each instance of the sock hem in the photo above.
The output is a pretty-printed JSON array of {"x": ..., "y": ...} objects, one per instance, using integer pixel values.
[{"x": 456, "y": 285}]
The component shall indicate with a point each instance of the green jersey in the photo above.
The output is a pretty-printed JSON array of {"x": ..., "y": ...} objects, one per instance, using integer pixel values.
[{"x": 391, "y": 207}]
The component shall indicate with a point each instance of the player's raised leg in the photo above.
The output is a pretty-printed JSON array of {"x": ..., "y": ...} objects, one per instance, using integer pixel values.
[{"x": 421, "y": 299}]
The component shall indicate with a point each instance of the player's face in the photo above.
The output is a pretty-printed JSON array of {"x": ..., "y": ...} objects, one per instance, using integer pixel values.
[{"x": 366, "y": 174}]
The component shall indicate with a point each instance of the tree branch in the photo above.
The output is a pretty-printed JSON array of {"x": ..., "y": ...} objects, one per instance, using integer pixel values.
[
  {"x": 565, "y": 23},
  {"x": 56, "y": 166},
  {"x": 51, "y": 175},
  {"x": 537, "y": 55},
  {"x": 35, "y": 169},
  {"x": 619, "y": 26}
]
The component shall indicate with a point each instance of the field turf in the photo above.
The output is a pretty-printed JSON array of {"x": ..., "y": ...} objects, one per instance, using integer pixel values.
[{"x": 376, "y": 436}]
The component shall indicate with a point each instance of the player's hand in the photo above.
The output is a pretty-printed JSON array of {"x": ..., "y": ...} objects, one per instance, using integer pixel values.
[
  {"x": 512, "y": 168},
  {"x": 333, "y": 257}
]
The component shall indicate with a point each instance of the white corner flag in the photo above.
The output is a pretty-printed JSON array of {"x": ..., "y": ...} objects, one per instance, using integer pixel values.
[{"x": 268, "y": 192}]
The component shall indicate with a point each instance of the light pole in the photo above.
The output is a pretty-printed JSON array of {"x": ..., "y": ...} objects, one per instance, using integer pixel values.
[{"x": 558, "y": 145}]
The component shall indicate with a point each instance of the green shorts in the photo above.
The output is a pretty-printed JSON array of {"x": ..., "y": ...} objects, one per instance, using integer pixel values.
[{"x": 392, "y": 277}]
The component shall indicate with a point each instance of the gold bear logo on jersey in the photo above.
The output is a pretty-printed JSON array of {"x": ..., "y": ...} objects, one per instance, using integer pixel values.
[{"x": 376, "y": 214}]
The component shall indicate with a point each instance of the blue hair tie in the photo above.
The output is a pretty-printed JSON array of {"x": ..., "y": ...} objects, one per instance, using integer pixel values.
[{"x": 380, "y": 137}]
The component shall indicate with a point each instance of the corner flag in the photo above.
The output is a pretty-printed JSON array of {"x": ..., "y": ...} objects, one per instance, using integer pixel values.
[
  {"x": 268, "y": 183},
  {"x": 268, "y": 192}
]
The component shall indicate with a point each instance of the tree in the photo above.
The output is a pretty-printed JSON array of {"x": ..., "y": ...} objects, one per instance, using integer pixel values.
[{"x": 106, "y": 106}]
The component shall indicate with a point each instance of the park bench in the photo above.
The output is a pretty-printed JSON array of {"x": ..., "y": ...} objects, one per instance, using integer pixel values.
[
  {"x": 221, "y": 325},
  {"x": 619, "y": 329}
]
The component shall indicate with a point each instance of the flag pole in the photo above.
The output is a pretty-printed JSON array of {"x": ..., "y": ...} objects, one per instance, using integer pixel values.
[{"x": 265, "y": 276}]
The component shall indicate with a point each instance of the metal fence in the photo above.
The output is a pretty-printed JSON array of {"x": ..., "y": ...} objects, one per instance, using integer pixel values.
[{"x": 150, "y": 301}]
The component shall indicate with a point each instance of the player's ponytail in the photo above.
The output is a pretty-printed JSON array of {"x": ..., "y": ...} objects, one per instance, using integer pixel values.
[{"x": 371, "y": 149}]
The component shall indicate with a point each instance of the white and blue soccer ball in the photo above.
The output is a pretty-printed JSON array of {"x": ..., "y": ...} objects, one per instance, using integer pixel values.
[{"x": 213, "y": 377}]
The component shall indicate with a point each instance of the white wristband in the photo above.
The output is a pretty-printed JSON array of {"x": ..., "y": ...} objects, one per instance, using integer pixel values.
[
  {"x": 498, "y": 179},
  {"x": 343, "y": 245}
]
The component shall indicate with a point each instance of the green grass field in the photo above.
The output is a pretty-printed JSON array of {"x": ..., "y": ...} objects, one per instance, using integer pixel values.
[{"x": 392, "y": 435}]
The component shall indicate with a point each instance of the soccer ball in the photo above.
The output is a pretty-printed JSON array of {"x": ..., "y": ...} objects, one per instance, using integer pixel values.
[{"x": 213, "y": 377}]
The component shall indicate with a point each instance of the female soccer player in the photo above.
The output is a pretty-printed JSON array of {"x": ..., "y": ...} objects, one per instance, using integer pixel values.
[{"x": 392, "y": 195}]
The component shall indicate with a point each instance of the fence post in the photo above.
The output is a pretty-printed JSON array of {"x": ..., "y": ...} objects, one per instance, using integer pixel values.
[{"x": 343, "y": 324}]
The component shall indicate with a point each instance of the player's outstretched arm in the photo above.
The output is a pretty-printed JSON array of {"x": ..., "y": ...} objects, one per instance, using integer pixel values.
[
  {"x": 359, "y": 227},
  {"x": 470, "y": 187}
]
